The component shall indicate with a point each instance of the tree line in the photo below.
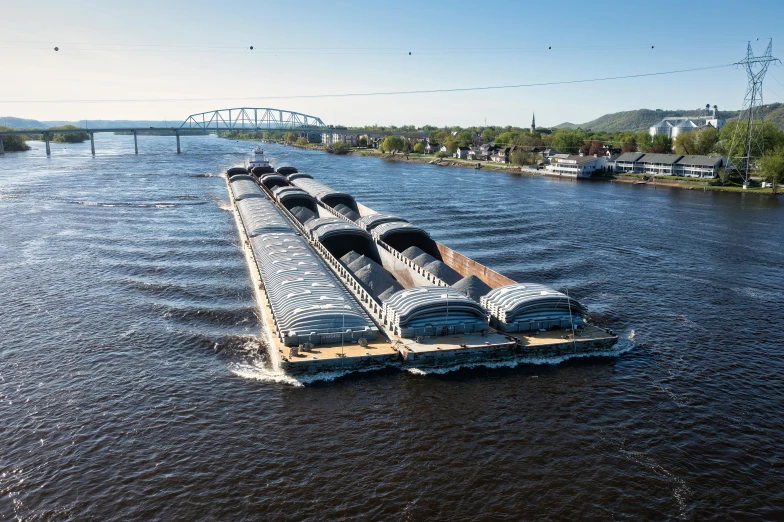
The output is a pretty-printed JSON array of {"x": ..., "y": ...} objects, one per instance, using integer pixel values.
[{"x": 19, "y": 143}]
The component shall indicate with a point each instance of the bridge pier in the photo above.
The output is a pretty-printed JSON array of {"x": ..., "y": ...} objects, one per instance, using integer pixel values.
[
  {"x": 46, "y": 140},
  {"x": 178, "y": 141},
  {"x": 2, "y": 146},
  {"x": 92, "y": 143},
  {"x": 135, "y": 144}
]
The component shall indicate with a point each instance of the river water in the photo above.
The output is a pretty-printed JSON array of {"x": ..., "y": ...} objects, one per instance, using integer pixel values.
[{"x": 133, "y": 386}]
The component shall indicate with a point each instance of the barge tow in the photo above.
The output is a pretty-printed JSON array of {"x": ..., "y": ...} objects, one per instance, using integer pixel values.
[{"x": 341, "y": 287}]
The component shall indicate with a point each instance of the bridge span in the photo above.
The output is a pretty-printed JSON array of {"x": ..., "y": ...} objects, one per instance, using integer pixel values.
[
  {"x": 241, "y": 119},
  {"x": 244, "y": 119}
]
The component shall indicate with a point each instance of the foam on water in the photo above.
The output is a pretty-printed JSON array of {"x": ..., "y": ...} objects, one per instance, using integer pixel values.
[
  {"x": 259, "y": 371},
  {"x": 620, "y": 348}
]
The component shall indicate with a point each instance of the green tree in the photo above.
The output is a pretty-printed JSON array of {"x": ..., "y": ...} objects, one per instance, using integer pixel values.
[
  {"x": 732, "y": 145},
  {"x": 465, "y": 138},
  {"x": 488, "y": 135},
  {"x": 644, "y": 142},
  {"x": 441, "y": 154},
  {"x": 686, "y": 143},
  {"x": 419, "y": 148},
  {"x": 13, "y": 143},
  {"x": 392, "y": 144},
  {"x": 522, "y": 157},
  {"x": 71, "y": 137},
  {"x": 290, "y": 137},
  {"x": 438, "y": 136},
  {"x": 567, "y": 141},
  {"x": 339, "y": 148},
  {"x": 451, "y": 144},
  {"x": 505, "y": 139},
  {"x": 771, "y": 166},
  {"x": 302, "y": 142},
  {"x": 661, "y": 144},
  {"x": 706, "y": 142},
  {"x": 526, "y": 139},
  {"x": 362, "y": 141},
  {"x": 724, "y": 175}
]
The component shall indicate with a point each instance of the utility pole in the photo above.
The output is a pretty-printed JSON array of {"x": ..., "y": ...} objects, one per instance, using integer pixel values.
[{"x": 748, "y": 136}]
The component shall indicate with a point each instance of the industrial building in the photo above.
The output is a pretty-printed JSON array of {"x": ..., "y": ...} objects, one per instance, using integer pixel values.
[{"x": 671, "y": 127}]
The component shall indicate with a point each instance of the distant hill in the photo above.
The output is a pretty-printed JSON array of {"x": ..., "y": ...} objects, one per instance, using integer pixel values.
[
  {"x": 642, "y": 119},
  {"x": 21, "y": 123}
]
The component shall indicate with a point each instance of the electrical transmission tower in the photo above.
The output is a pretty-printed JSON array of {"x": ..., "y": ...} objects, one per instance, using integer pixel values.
[{"x": 748, "y": 141}]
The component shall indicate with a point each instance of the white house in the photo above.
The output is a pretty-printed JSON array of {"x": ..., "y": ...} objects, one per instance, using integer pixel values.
[
  {"x": 576, "y": 166},
  {"x": 462, "y": 152}
]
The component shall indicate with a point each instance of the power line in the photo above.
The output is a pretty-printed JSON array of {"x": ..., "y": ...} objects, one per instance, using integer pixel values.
[
  {"x": 777, "y": 81},
  {"x": 381, "y": 93},
  {"x": 413, "y": 49},
  {"x": 774, "y": 93}
]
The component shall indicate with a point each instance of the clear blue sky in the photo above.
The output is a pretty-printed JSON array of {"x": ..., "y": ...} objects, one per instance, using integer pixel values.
[{"x": 199, "y": 49}]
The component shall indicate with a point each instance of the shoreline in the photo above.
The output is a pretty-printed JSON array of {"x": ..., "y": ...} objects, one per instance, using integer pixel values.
[{"x": 685, "y": 184}]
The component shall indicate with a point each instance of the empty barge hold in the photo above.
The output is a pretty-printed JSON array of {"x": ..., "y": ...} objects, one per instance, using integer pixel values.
[{"x": 341, "y": 287}]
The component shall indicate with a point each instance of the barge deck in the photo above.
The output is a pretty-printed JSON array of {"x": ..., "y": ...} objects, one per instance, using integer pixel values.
[{"x": 390, "y": 349}]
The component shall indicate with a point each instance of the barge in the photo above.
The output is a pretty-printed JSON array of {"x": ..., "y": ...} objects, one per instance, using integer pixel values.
[{"x": 341, "y": 287}]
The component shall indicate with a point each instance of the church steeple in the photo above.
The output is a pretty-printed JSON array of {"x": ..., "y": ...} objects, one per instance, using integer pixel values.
[{"x": 533, "y": 122}]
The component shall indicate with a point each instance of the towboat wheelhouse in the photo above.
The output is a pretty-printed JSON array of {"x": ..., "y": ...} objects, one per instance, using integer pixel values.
[{"x": 258, "y": 159}]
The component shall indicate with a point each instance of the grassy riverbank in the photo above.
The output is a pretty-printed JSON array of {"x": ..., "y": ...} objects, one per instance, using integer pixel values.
[{"x": 639, "y": 179}]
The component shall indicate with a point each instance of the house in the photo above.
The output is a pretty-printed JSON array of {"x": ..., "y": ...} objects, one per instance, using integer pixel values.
[
  {"x": 577, "y": 166},
  {"x": 443, "y": 149},
  {"x": 432, "y": 147},
  {"x": 627, "y": 161},
  {"x": 502, "y": 155},
  {"x": 700, "y": 166},
  {"x": 670, "y": 164},
  {"x": 657, "y": 164},
  {"x": 474, "y": 153},
  {"x": 329, "y": 138},
  {"x": 490, "y": 148},
  {"x": 482, "y": 152},
  {"x": 461, "y": 153}
]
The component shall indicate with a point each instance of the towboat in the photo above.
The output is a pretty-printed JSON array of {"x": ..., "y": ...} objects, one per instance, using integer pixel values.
[{"x": 258, "y": 159}]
